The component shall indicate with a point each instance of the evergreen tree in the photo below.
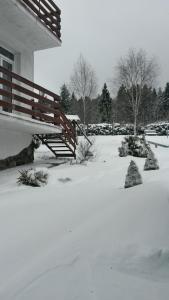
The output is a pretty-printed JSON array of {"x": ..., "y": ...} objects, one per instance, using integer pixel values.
[
  {"x": 133, "y": 176},
  {"x": 105, "y": 105},
  {"x": 151, "y": 162},
  {"x": 122, "y": 107},
  {"x": 148, "y": 105},
  {"x": 95, "y": 115},
  {"x": 165, "y": 101},
  {"x": 65, "y": 98},
  {"x": 166, "y": 96},
  {"x": 73, "y": 104},
  {"x": 159, "y": 107},
  {"x": 123, "y": 150}
]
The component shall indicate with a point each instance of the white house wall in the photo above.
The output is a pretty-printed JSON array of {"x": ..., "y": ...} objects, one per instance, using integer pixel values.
[
  {"x": 13, "y": 142},
  {"x": 24, "y": 64}
]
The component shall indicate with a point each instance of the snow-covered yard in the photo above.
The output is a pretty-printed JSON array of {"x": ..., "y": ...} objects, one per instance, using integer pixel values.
[{"x": 86, "y": 237}]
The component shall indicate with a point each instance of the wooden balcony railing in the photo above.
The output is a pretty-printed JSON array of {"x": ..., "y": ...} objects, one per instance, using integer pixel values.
[
  {"x": 47, "y": 12},
  {"x": 18, "y": 94}
]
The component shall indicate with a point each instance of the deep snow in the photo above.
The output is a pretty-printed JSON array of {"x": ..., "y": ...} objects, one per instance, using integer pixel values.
[{"x": 86, "y": 237}]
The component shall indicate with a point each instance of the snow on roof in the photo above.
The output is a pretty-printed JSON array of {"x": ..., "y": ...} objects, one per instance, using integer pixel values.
[{"x": 73, "y": 117}]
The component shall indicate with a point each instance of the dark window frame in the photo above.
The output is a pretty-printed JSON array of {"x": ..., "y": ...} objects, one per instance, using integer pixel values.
[{"x": 7, "y": 53}]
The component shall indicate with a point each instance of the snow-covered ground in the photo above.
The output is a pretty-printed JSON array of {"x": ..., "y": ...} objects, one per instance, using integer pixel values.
[{"x": 86, "y": 237}]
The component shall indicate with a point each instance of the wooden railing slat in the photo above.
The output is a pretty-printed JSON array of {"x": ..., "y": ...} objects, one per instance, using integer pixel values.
[{"x": 24, "y": 100}]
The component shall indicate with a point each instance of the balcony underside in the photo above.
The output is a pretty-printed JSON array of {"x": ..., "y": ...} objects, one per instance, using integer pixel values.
[
  {"x": 22, "y": 124},
  {"x": 22, "y": 29}
]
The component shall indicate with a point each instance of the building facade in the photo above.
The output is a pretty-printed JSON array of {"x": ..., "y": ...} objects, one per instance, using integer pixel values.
[{"x": 27, "y": 109}]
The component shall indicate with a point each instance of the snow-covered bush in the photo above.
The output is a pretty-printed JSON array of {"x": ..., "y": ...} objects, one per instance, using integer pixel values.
[
  {"x": 137, "y": 146},
  {"x": 36, "y": 142},
  {"x": 84, "y": 151},
  {"x": 33, "y": 177},
  {"x": 133, "y": 176},
  {"x": 151, "y": 162},
  {"x": 123, "y": 150}
]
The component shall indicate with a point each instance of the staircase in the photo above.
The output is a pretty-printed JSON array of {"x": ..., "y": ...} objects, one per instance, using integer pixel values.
[
  {"x": 61, "y": 144},
  {"x": 58, "y": 145}
]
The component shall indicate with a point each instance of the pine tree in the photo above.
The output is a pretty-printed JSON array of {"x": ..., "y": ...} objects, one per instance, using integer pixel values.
[
  {"x": 166, "y": 96},
  {"x": 65, "y": 98},
  {"x": 151, "y": 162},
  {"x": 147, "y": 111},
  {"x": 159, "y": 112},
  {"x": 123, "y": 107},
  {"x": 165, "y": 101},
  {"x": 73, "y": 104},
  {"x": 105, "y": 105},
  {"x": 133, "y": 176}
]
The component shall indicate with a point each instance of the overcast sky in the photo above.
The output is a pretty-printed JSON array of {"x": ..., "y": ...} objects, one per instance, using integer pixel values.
[{"x": 103, "y": 31}]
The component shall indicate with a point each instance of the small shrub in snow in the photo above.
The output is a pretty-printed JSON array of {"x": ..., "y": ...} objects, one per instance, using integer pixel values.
[
  {"x": 33, "y": 177},
  {"x": 133, "y": 176},
  {"x": 123, "y": 150},
  {"x": 85, "y": 151},
  {"x": 137, "y": 146},
  {"x": 151, "y": 162}
]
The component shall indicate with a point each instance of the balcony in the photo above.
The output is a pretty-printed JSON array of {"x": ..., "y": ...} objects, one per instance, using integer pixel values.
[
  {"x": 47, "y": 12},
  {"x": 29, "y": 107},
  {"x": 30, "y": 24}
]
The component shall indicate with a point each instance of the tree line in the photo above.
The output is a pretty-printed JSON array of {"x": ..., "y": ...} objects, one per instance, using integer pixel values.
[{"x": 137, "y": 101}]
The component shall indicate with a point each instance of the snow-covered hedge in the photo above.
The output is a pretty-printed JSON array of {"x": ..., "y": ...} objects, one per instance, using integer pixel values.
[
  {"x": 161, "y": 128},
  {"x": 111, "y": 129}
]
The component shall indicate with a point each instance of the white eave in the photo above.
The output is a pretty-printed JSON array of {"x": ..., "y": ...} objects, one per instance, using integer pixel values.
[
  {"x": 22, "y": 29},
  {"x": 22, "y": 124}
]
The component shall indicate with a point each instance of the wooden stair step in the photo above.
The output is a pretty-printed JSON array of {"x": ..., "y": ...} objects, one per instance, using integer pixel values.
[
  {"x": 54, "y": 142},
  {"x": 64, "y": 155},
  {"x": 52, "y": 136},
  {"x": 66, "y": 150},
  {"x": 58, "y": 147},
  {"x": 52, "y": 139}
]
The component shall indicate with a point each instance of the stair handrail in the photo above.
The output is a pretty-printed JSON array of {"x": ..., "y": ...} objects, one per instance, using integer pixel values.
[{"x": 83, "y": 132}]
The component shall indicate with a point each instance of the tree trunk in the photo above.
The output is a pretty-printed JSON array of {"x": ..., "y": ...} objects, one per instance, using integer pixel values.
[
  {"x": 84, "y": 115},
  {"x": 135, "y": 123},
  {"x": 84, "y": 111}
]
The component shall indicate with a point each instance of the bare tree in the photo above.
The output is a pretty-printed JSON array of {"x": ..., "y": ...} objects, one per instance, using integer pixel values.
[
  {"x": 134, "y": 72},
  {"x": 83, "y": 82}
]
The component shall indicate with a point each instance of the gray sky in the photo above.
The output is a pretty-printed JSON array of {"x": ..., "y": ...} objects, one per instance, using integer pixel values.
[{"x": 103, "y": 31}]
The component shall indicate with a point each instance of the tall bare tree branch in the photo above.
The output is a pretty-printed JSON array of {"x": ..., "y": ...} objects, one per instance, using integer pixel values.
[
  {"x": 134, "y": 72},
  {"x": 83, "y": 82}
]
